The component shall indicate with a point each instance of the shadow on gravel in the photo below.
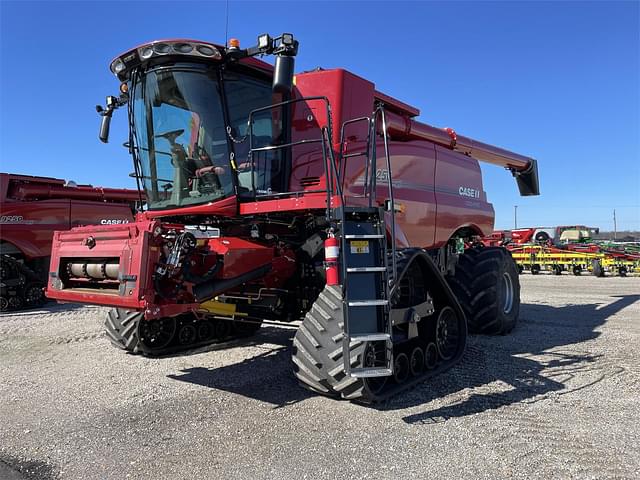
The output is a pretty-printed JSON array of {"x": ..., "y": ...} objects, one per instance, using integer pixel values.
[
  {"x": 529, "y": 363},
  {"x": 541, "y": 333},
  {"x": 15, "y": 469},
  {"x": 266, "y": 377},
  {"x": 49, "y": 307},
  {"x": 266, "y": 335}
]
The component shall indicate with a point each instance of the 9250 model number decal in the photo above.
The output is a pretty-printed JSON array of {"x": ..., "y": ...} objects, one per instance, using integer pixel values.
[{"x": 11, "y": 219}]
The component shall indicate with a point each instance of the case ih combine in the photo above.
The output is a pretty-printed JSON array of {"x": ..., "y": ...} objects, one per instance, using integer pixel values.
[
  {"x": 269, "y": 197},
  {"x": 31, "y": 209}
]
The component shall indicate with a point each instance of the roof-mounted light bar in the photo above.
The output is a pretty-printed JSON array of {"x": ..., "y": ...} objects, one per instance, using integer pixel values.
[{"x": 122, "y": 65}]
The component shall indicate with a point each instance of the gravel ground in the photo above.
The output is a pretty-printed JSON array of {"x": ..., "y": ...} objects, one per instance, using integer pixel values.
[{"x": 558, "y": 398}]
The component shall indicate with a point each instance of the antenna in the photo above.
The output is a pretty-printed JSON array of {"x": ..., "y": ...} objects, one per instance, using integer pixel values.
[{"x": 226, "y": 25}]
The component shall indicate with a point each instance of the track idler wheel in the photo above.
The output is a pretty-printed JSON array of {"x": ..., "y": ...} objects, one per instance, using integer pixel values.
[
  {"x": 447, "y": 333},
  {"x": 205, "y": 330},
  {"x": 157, "y": 334},
  {"x": 221, "y": 329},
  {"x": 401, "y": 368},
  {"x": 187, "y": 334},
  {"x": 15, "y": 302},
  {"x": 430, "y": 356},
  {"x": 416, "y": 361},
  {"x": 374, "y": 356}
]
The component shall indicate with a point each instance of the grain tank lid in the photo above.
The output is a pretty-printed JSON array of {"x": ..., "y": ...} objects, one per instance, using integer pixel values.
[{"x": 396, "y": 105}]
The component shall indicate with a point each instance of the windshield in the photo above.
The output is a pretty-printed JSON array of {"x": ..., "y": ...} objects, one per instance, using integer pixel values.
[{"x": 181, "y": 140}]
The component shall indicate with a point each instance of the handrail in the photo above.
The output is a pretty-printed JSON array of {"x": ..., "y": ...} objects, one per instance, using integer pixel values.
[{"x": 330, "y": 173}]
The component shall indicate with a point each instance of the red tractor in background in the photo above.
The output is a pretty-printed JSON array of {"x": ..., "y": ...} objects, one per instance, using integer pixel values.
[
  {"x": 279, "y": 196},
  {"x": 563, "y": 235},
  {"x": 31, "y": 209}
]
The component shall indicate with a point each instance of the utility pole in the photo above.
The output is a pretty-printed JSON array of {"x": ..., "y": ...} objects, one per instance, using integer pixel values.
[
  {"x": 615, "y": 226},
  {"x": 515, "y": 217}
]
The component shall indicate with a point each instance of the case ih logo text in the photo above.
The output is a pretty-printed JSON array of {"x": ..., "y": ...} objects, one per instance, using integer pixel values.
[
  {"x": 469, "y": 192},
  {"x": 112, "y": 221}
]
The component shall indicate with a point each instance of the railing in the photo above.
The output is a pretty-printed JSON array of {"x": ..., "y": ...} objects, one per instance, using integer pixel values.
[
  {"x": 332, "y": 186},
  {"x": 370, "y": 152},
  {"x": 334, "y": 175}
]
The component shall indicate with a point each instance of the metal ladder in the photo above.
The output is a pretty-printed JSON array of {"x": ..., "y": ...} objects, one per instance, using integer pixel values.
[{"x": 367, "y": 271}]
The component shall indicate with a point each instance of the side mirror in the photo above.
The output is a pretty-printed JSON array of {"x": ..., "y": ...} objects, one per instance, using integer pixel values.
[
  {"x": 283, "y": 75},
  {"x": 106, "y": 113},
  {"x": 105, "y": 123}
]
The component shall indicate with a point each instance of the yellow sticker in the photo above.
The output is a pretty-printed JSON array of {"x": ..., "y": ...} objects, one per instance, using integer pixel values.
[{"x": 360, "y": 246}]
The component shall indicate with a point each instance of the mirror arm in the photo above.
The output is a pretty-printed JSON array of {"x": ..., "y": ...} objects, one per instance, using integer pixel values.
[{"x": 112, "y": 103}]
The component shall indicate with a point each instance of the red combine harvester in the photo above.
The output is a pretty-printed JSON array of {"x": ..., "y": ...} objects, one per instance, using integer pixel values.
[
  {"x": 269, "y": 197},
  {"x": 31, "y": 209}
]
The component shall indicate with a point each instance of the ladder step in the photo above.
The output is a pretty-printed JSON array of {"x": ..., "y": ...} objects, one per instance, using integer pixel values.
[
  {"x": 363, "y": 237},
  {"x": 370, "y": 337},
  {"x": 368, "y": 303},
  {"x": 366, "y": 269},
  {"x": 370, "y": 372}
]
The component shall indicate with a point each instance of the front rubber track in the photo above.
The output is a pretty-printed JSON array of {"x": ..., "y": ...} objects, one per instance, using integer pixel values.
[
  {"x": 480, "y": 286},
  {"x": 318, "y": 356},
  {"x": 123, "y": 329}
]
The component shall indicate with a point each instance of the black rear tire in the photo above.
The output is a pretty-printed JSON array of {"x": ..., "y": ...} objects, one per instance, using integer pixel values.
[
  {"x": 487, "y": 286},
  {"x": 597, "y": 271},
  {"x": 542, "y": 237}
]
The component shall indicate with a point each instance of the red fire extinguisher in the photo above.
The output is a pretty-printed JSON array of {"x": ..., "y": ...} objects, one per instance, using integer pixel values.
[{"x": 331, "y": 254}]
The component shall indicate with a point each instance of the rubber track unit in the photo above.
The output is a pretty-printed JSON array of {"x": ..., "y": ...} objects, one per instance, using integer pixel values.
[
  {"x": 123, "y": 328},
  {"x": 21, "y": 286},
  {"x": 318, "y": 349},
  {"x": 480, "y": 287}
]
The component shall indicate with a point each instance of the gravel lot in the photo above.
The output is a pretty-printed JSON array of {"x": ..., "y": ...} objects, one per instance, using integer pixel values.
[{"x": 558, "y": 398}]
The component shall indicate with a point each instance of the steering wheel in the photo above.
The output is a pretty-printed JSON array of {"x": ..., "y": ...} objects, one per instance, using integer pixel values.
[
  {"x": 210, "y": 169},
  {"x": 171, "y": 136}
]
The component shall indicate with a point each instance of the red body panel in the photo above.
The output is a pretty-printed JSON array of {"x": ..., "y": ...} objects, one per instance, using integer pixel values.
[
  {"x": 32, "y": 208},
  {"x": 130, "y": 244},
  {"x": 240, "y": 255}
]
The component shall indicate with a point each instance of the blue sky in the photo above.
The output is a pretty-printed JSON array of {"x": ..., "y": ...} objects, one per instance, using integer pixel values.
[{"x": 557, "y": 81}]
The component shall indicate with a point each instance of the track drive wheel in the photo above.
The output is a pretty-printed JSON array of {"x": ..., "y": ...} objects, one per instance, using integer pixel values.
[
  {"x": 487, "y": 286},
  {"x": 34, "y": 294}
]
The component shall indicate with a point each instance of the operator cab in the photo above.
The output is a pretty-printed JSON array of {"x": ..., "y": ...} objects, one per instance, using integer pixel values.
[{"x": 188, "y": 105}]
